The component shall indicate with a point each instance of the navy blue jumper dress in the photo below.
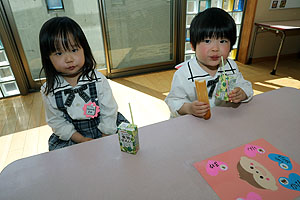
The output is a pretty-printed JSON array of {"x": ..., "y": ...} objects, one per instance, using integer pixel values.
[{"x": 87, "y": 127}]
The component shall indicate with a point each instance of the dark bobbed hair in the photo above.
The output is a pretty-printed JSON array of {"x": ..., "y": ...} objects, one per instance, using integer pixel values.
[
  {"x": 55, "y": 33},
  {"x": 212, "y": 22}
]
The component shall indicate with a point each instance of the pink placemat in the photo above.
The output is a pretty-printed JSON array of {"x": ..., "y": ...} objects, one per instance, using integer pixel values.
[{"x": 256, "y": 170}]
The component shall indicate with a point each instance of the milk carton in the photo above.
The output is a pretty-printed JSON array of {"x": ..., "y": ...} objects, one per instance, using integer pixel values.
[{"x": 128, "y": 137}]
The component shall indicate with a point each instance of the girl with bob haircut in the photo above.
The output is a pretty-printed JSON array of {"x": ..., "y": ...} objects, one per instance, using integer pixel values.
[{"x": 79, "y": 103}]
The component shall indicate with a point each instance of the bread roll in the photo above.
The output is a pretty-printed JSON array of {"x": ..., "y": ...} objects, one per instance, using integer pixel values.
[{"x": 202, "y": 95}]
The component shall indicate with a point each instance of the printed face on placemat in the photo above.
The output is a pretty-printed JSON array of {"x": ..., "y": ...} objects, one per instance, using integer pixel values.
[{"x": 256, "y": 170}]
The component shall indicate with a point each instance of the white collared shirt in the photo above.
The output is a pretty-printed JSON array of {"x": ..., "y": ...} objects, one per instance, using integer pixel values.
[
  {"x": 183, "y": 84},
  {"x": 55, "y": 117}
]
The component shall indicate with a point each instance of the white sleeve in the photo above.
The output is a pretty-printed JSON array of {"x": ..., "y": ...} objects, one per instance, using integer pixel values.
[
  {"x": 177, "y": 95},
  {"x": 245, "y": 85},
  {"x": 108, "y": 107},
  {"x": 55, "y": 118}
]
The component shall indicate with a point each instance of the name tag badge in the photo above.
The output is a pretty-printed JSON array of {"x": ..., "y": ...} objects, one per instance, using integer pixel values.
[{"x": 91, "y": 110}]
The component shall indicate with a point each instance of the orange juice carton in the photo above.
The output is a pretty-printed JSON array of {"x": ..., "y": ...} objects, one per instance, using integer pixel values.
[{"x": 128, "y": 137}]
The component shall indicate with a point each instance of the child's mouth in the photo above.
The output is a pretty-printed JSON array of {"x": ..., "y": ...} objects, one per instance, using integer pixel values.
[
  {"x": 215, "y": 58},
  {"x": 71, "y": 68}
]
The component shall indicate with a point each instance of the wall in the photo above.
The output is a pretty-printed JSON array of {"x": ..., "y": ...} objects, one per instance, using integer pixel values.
[{"x": 267, "y": 44}]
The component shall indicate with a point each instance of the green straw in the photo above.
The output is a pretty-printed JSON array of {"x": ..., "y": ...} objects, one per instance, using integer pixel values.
[
  {"x": 223, "y": 69},
  {"x": 131, "y": 114}
]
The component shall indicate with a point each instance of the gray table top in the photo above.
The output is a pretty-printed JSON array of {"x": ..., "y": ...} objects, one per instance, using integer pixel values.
[
  {"x": 162, "y": 169},
  {"x": 281, "y": 25}
]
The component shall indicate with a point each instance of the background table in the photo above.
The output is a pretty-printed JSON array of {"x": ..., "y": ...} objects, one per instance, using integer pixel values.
[
  {"x": 162, "y": 169},
  {"x": 277, "y": 27}
]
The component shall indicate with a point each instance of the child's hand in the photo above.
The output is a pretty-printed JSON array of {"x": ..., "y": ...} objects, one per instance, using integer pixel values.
[
  {"x": 78, "y": 138},
  {"x": 196, "y": 108},
  {"x": 87, "y": 139},
  {"x": 199, "y": 109},
  {"x": 237, "y": 95}
]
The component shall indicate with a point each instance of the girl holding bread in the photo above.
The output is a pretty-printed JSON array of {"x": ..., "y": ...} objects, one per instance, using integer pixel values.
[{"x": 212, "y": 36}]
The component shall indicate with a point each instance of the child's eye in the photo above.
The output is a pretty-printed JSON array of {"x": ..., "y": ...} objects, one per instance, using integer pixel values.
[
  {"x": 74, "y": 50},
  {"x": 58, "y": 53},
  {"x": 207, "y": 41},
  {"x": 223, "y": 41}
]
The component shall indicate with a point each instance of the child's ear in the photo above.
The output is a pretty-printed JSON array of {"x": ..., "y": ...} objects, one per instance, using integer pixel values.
[{"x": 193, "y": 48}]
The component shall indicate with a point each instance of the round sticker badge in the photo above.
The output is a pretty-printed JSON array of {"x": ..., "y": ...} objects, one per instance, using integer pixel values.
[{"x": 91, "y": 109}]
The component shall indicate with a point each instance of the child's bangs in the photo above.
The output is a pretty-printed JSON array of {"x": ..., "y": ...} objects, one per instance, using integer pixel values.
[
  {"x": 65, "y": 41},
  {"x": 215, "y": 32}
]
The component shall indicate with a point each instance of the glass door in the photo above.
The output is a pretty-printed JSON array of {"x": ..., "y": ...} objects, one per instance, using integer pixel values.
[
  {"x": 138, "y": 35},
  {"x": 126, "y": 36},
  {"x": 25, "y": 19}
]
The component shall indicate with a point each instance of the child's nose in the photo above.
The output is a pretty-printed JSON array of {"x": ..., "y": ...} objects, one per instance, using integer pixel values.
[
  {"x": 68, "y": 57},
  {"x": 215, "y": 46}
]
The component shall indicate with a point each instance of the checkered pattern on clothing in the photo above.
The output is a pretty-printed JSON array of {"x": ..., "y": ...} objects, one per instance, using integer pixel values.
[{"x": 88, "y": 127}]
